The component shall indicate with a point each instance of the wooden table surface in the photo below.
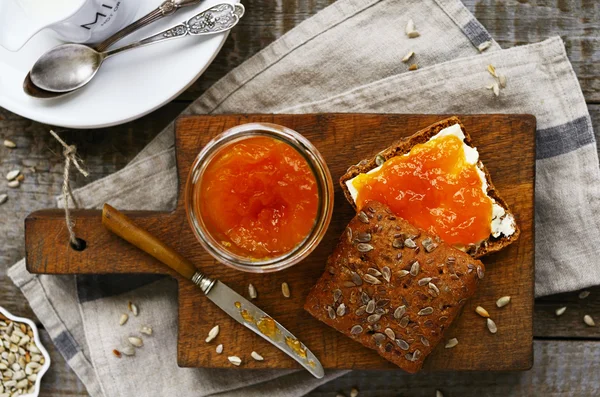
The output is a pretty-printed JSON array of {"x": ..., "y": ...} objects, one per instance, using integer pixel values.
[{"x": 567, "y": 353}]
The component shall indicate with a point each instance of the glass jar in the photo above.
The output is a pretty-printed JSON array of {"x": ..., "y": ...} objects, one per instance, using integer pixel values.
[{"x": 324, "y": 188}]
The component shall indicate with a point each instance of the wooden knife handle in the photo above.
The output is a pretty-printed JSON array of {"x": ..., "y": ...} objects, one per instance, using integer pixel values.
[{"x": 124, "y": 227}]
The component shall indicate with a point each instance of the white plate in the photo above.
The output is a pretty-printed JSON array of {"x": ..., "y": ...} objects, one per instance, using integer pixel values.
[{"x": 128, "y": 86}]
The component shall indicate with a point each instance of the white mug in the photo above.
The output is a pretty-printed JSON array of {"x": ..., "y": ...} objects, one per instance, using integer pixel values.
[{"x": 76, "y": 21}]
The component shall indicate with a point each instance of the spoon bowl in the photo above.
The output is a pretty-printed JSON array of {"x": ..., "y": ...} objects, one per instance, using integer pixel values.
[
  {"x": 66, "y": 68},
  {"x": 69, "y": 67}
]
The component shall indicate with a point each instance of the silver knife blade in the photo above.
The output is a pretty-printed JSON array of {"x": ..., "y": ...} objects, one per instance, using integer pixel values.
[{"x": 264, "y": 325}]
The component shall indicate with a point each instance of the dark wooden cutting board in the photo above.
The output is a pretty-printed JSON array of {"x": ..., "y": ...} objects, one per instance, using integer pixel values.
[{"x": 507, "y": 147}]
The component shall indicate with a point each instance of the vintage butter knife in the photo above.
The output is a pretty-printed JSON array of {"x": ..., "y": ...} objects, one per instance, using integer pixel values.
[{"x": 227, "y": 299}]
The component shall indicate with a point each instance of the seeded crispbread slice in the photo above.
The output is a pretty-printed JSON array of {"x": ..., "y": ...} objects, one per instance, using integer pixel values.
[{"x": 403, "y": 146}]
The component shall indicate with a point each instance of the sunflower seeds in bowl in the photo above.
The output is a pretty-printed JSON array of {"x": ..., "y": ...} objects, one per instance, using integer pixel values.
[{"x": 28, "y": 353}]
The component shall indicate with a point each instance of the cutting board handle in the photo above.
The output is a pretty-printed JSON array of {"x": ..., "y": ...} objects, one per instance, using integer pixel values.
[{"x": 122, "y": 226}]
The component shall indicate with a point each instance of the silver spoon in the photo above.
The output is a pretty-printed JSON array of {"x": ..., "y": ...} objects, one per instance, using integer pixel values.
[
  {"x": 71, "y": 66},
  {"x": 168, "y": 7}
]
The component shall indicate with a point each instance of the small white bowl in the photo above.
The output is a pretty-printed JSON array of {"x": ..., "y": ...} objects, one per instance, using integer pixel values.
[{"x": 38, "y": 343}]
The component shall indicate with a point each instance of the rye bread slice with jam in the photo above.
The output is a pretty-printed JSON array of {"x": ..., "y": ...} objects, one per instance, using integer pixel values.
[{"x": 403, "y": 146}]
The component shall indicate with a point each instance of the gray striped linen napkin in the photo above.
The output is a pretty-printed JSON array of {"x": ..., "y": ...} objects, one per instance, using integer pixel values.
[{"x": 347, "y": 58}]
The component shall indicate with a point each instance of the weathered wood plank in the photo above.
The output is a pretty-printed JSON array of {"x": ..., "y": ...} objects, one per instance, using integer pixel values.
[
  {"x": 60, "y": 380},
  {"x": 513, "y": 23},
  {"x": 561, "y": 368}
]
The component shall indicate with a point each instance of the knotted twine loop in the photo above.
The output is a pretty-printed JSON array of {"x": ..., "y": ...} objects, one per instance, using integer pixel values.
[{"x": 70, "y": 153}]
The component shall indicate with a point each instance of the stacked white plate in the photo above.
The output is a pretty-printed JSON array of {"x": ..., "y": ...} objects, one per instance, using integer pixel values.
[{"x": 128, "y": 86}]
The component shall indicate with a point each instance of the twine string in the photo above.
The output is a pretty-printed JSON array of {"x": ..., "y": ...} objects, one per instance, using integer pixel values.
[{"x": 70, "y": 153}]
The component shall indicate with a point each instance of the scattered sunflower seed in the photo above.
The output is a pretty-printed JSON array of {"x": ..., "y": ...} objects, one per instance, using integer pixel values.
[
  {"x": 414, "y": 269},
  {"x": 370, "y": 306},
  {"x": 404, "y": 321},
  {"x": 403, "y": 273},
  {"x": 429, "y": 245},
  {"x": 378, "y": 337},
  {"x": 354, "y": 392},
  {"x": 146, "y": 330},
  {"x": 219, "y": 348},
  {"x": 390, "y": 333},
  {"x": 364, "y": 247},
  {"x": 410, "y": 30},
  {"x": 337, "y": 294},
  {"x": 13, "y": 184},
  {"x": 123, "y": 319},
  {"x": 496, "y": 89},
  {"x": 361, "y": 310},
  {"x": 128, "y": 351},
  {"x": 589, "y": 321},
  {"x": 451, "y": 343},
  {"x": 363, "y": 217},
  {"x": 135, "y": 341},
  {"x": 491, "y": 326},
  {"x": 235, "y": 360},
  {"x": 480, "y": 272},
  {"x": 424, "y": 281},
  {"x": 379, "y": 160},
  {"x": 212, "y": 334},
  {"x": 13, "y": 175},
  {"x": 560, "y": 311},
  {"x": 373, "y": 272},
  {"x": 414, "y": 66},
  {"x": 341, "y": 310},
  {"x": 482, "y": 312},
  {"x": 9, "y": 144},
  {"x": 386, "y": 273},
  {"x": 399, "y": 312},
  {"x": 3, "y": 198},
  {"x": 371, "y": 279},
  {"x": 373, "y": 318},
  {"x": 252, "y": 291},
  {"x": 408, "y": 56},
  {"x": 363, "y": 237},
  {"x": 398, "y": 243},
  {"x": 584, "y": 294},
  {"x": 364, "y": 297},
  {"x": 402, "y": 344},
  {"x": 331, "y": 312},
  {"x": 492, "y": 70},
  {"x": 503, "y": 301},
  {"x": 433, "y": 289},
  {"x": 356, "y": 278},
  {"x": 132, "y": 308},
  {"x": 484, "y": 46},
  {"x": 424, "y": 341},
  {"x": 502, "y": 80},
  {"x": 425, "y": 311},
  {"x": 355, "y": 330},
  {"x": 285, "y": 289},
  {"x": 257, "y": 356},
  {"x": 437, "y": 392}
]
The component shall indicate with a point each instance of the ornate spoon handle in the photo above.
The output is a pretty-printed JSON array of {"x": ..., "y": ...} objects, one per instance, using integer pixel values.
[
  {"x": 169, "y": 7},
  {"x": 216, "y": 19}
]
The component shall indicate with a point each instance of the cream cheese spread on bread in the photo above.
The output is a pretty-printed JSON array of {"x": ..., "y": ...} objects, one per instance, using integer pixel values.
[{"x": 503, "y": 223}]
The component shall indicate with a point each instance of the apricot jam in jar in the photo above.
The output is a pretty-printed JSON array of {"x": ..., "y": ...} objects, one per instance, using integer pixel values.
[{"x": 259, "y": 197}]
